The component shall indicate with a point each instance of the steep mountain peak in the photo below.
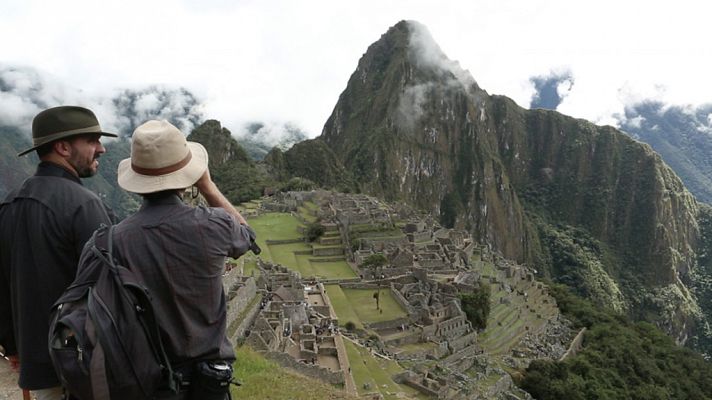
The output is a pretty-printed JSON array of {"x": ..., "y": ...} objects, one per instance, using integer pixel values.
[
  {"x": 535, "y": 185},
  {"x": 426, "y": 54}
]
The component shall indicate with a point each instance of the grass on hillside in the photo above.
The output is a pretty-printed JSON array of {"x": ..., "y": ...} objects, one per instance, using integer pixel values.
[
  {"x": 307, "y": 214},
  {"x": 264, "y": 379},
  {"x": 377, "y": 373}
]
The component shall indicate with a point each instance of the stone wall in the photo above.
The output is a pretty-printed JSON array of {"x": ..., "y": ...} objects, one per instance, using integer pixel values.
[
  {"x": 420, "y": 236},
  {"x": 310, "y": 370},
  {"x": 575, "y": 346},
  {"x": 467, "y": 353},
  {"x": 402, "y": 301},
  {"x": 286, "y": 241},
  {"x": 246, "y": 323},
  {"x": 454, "y": 327},
  {"x": 392, "y": 324},
  {"x": 327, "y": 251},
  {"x": 463, "y": 341},
  {"x": 239, "y": 298}
]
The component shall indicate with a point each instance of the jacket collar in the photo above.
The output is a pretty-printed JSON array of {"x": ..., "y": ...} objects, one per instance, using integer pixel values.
[
  {"x": 47, "y": 168},
  {"x": 167, "y": 198}
]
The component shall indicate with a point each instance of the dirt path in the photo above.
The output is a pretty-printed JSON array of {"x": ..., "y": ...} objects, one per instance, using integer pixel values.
[{"x": 8, "y": 382}]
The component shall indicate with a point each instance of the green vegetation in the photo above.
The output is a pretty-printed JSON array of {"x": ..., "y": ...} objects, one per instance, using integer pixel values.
[
  {"x": 374, "y": 261},
  {"x": 295, "y": 254},
  {"x": 264, "y": 379},
  {"x": 343, "y": 307},
  {"x": 275, "y": 226},
  {"x": 476, "y": 306},
  {"x": 237, "y": 176},
  {"x": 701, "y": 279},
  {"x": 314, "y": 231},
  {"x": 298, "y": 184},
  {"x": 375, "y": 375},
  {"x": 363, "y": 303},
  {"x": 620, "y": 360},
  {"x": 578, "y": 261}
]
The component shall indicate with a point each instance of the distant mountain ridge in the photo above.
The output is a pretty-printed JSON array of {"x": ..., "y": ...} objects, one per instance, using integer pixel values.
[{"x": 682, "y": 136}]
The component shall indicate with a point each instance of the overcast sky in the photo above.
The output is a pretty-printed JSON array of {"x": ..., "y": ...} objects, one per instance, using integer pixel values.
[{"x": 288, "y": 61}]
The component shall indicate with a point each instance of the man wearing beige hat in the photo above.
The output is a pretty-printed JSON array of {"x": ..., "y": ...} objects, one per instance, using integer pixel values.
[
  {"x": 178, "y": 251},
  {"x": 43, "y": 227}
]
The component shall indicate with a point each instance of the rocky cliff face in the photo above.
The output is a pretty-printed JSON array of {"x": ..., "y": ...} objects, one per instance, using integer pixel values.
[{"x": 413, "y": 126}]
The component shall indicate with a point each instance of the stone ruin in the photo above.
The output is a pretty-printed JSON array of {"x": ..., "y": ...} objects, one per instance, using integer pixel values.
[{"x": 427, "y": 267}]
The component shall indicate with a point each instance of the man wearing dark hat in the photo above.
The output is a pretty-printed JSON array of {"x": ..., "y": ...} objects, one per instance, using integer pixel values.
[
  {"x": 178, "y": 251},
  {"x": 44, "y": 225}
]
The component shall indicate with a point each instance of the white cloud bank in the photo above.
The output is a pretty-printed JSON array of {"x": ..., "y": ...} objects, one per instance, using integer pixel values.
[{"x": 281, "y": 60}]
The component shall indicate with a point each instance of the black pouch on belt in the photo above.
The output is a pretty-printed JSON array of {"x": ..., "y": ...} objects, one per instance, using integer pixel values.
[{"x": 211, "y": 380}]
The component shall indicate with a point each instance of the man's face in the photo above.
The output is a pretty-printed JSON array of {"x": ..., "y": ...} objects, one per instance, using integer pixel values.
[{"x": 85, "y": 150}]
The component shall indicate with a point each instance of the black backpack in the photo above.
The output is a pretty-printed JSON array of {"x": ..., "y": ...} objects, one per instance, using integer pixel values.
[{"x": 104, "y": 340}]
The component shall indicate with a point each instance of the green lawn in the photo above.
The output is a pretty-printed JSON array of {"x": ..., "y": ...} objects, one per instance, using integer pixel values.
[
  {"x": 284, "y": 253},
  {"x": 364, "y": 305},
  {"x": 377, "y": 373},
  {"x": 307, "y": 214},
  {"x": 275, "y": 226},
  {"x": 332, "y": 269},
  {"x": 342, "y": 306},
  {"x": 263, "y": 379}
]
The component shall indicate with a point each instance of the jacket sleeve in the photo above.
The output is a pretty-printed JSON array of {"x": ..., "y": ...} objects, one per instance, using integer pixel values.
[
  {"x": 7, "y": 327},
  {"x": 87, "y": 219}
]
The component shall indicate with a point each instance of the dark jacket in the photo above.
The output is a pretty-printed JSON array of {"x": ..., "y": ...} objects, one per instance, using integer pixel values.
[
  {"x": 43, "y": 227},
  {"x": 178, "y": 252}
]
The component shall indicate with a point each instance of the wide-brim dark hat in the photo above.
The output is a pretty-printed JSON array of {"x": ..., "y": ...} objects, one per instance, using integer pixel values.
[{"x": 62, "y": 122}]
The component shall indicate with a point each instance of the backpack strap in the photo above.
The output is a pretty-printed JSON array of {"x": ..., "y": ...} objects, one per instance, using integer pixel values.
[
  {"x": 174, "y": 378},
  {"x": 97, "y": 368}
]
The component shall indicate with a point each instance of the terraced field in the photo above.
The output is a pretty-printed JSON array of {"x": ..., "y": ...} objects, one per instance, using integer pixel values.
[
  {"x": 375, "y": 375},
  {"x": 297, "y": 255},
  {"x": 512, "y": 314}
]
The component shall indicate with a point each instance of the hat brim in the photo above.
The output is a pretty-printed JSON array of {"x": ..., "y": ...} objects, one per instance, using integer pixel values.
[
  {"x": 64, "y": 137},
  {"x": 131, "y": 181}
]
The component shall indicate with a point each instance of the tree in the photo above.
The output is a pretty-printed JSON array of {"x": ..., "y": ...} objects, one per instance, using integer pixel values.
[
  {"x": 476, "y": 306},
  {"x": 314, "y": 231},
  {"x": 374, "y": 261}
]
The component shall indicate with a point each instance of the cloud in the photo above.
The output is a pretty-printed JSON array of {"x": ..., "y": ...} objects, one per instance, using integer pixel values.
[
  {"x": 177, "y": 105},
  {"x": 551, "y": 89},
  {"x": 410, "y": 104},
  {"x": 25, "y": 91},
  {"x": 282, "y": 135},
  {"x": 426, "y": 53}
]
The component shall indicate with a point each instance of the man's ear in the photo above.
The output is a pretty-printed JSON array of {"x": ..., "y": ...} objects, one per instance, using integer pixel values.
[{"x": 62, "y": 147}]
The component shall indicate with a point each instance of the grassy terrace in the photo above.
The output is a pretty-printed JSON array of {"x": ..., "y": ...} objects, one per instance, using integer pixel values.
[
  {"x": 507, "y": 323},
  {"x": 377, "y": 374},
  {"x": 284, "y": 226},
  {"x": 263, "y": 379},
  {"x": 359, "y": 306}
]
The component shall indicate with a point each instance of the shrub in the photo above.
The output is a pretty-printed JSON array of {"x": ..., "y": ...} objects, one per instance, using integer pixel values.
[
  {"x": 314, "y": 231},
  {"x": 476, "y": 306}
]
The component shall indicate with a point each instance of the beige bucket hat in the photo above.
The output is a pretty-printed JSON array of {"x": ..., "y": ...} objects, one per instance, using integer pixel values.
[{"x": 161, "y": 159}]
